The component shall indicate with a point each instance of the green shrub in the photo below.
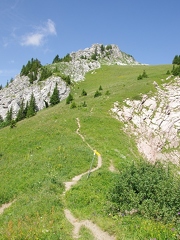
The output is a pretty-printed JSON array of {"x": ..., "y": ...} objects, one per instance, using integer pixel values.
[
  {"x": 97, "y": 94},
  {"x": 108, "y": 47},
  {"x": 69, "y": 99},
  {"x": 176, "y": 70},
  {"x": 107, "y": 93},
  {"x": 84, "y": 93},
  {"x": 144, "y": 75},
  {"x": 100, "y": 88},
  {"x": 84, "y": 104},
  {"x": 73, "y": 105},
  {"x": 150, "y": 190}
]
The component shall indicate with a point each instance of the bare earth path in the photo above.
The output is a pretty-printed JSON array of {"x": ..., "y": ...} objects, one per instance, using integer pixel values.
[
  {"x": 96, "y": 231},
  {"x": 4, "y": 206}
]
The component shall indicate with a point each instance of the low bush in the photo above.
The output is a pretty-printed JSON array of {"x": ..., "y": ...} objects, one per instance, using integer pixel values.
[{"x": 151, "y": 191}]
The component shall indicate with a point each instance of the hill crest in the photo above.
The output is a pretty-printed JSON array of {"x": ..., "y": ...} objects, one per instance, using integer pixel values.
[{"x": 81, "y": 62}]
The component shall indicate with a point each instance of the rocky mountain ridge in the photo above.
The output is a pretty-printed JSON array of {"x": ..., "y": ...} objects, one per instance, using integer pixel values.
[
  {"x": 92, "y": 58},
  {"x": 154, "y": 121},
  {"x": 81, "y": 62}
]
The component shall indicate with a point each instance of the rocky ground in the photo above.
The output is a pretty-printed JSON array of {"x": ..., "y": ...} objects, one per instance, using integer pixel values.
[{"x": 155, "y": 122}]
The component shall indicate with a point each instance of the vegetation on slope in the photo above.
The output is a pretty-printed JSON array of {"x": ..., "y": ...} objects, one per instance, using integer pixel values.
[{"x": 42, "y": 152}]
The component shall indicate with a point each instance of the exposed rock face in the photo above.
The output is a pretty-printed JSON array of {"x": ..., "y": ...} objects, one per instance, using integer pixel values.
[
  {"x": 155, "y": 122},
  {"x": 21, "y": 88},
  {"x": 82, "y": 61}
]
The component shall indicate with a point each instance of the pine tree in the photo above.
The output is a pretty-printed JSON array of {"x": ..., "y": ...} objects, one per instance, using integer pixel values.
[
  {"x": 31, "y": 110},
  {"x": 21, "y": 113},
  {"x": 56, "y": 59},
  {"x": 176, "y": 60},
  {"x": 100, "y": 88},
  {"x": 84, "y": 93},
  {"x": 69, "y": 99},
  {"x": 1, "y": 119},
  {"x": 54, "y": 99},
  {"x": 9, "y": 115}
]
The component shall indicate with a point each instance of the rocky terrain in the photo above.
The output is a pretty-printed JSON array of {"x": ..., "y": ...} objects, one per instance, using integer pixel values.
[
  {"x": 81, "y": 62},
  {"x": 91, "y": 58},
  {"x": 155, "y": 122},
  {"x": 21, "y": 88}
]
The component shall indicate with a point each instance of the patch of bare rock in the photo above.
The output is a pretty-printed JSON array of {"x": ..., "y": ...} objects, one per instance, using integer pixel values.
[
  {"x": 155, "y": 122},
  {"x": 21, "y": 89}
]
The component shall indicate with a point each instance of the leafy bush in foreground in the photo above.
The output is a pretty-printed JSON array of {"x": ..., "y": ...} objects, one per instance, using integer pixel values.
[{"x": 150, "y": 190}]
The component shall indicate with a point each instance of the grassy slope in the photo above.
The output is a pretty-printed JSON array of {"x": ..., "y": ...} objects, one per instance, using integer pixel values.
[{"x": 44, "y": 151}]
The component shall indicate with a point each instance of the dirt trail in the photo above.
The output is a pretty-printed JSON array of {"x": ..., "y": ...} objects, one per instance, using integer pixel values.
[
  {"x": 4, "y": 206},
  {"x": 96, "y": 231}
]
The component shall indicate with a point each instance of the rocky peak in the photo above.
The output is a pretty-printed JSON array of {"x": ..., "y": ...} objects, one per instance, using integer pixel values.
[
  {"x": 81, "y": 62},
  {"x": 92, "y": 58}
]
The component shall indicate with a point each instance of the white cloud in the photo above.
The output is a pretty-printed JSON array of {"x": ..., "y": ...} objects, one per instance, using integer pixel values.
[
  {"x": 37, "y": 37},
  {"x": 51, "y": 27}
]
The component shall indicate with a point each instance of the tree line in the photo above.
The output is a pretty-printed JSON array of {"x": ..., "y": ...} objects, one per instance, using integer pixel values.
[{"x": 176, "y": 65}]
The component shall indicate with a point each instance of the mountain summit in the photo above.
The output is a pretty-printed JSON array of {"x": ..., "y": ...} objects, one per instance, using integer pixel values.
[{"x": 75, "y": 65}]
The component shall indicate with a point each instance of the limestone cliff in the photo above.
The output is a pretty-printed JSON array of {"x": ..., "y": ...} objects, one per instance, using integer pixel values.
[{"x": 155, "y": 122}]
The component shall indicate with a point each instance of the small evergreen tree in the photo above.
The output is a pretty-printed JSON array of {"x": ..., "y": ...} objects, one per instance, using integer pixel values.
[
  {"x": 54, "y": 99},
  {"x": 9, "y": 115},
  {"x": 176, "y": 60},
  {"x": 31, "y": 110},
  {"x": 97, "y": 94},
  {"x": 84, "y": 104},
  {"x": 84, "y": 93},
  {"x": 139, "y": 77},
  {"x": 13, "y": 124},
  {"x": 100, "y": 88},
  {"x": 144, "y": 75},
  {"x": 56, "y": 59},
  {"x": 102, "y": 48},
  {"x": 73, "y": 105},
  {"x": 21, "y": 113},
  {"x": 1, "y": 119},
  {"x": 69, "y": 99}
]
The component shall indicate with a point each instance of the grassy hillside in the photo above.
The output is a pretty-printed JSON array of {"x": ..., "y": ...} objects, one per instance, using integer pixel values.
[{"x": 42, "y": 152}]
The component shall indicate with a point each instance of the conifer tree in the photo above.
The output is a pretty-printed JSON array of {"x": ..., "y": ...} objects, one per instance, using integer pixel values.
[
  {"x": 1, "y": 119},
  {"x": 54, "y": 99},
  {"x": 56, "y": 59},
  {"x": 69, "y": 99},
  {"x": 31, "y": 110},
  {"x": 84, "y": 93},
  {"x": 21, "y": 113},
  {"x": 9, "y": 115}
]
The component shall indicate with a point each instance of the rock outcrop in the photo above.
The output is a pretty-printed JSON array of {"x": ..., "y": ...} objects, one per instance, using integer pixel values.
[
  {"x": 21, "y": 88},
  {"x": 91, "y": 58},
  {"x": 155, "y": 121}
]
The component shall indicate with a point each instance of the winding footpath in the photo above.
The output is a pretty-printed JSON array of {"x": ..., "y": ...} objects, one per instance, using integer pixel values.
[
  {"x": 77, "y": 224},
  {"x": 95, "y": 230}
]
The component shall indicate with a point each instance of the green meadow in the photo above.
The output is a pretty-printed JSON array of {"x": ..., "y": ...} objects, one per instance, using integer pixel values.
[{"x": 44, "y": 151}]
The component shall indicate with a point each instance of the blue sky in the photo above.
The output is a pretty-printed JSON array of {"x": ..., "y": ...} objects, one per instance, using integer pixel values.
[{"x": 146, "y": 29}]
